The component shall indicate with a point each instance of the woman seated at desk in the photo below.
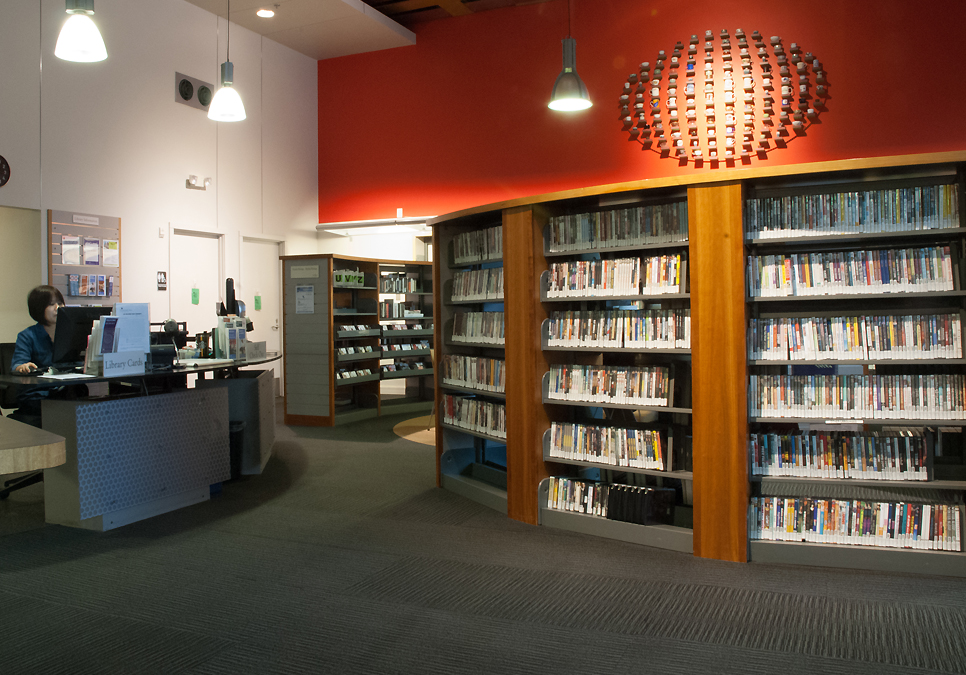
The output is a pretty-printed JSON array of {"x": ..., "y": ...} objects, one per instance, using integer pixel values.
[{"x": 35, "y": 347}]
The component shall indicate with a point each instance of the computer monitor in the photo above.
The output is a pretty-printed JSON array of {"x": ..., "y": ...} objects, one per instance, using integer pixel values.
[{"x": 74, "y": 326}]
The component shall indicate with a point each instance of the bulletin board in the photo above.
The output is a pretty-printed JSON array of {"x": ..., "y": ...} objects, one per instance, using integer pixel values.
[{"x": 84, "y": 257}]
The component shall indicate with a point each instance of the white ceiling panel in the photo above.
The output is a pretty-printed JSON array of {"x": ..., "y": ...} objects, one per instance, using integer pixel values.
[{"x": 321, "y": 29}]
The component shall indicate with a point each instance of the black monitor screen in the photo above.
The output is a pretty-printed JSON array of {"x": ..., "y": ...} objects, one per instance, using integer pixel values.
[{"x": 70, "y": 337}]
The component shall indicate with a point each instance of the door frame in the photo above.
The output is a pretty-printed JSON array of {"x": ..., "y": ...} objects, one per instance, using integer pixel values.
[
  {"x": 205, "y": 234},
  {"x": 279, "y": 242}
]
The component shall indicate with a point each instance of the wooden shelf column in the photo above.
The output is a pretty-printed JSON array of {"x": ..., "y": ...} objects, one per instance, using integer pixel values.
[
  {"x": 523, "y": 260},
  {"x": 719, "y": 390}
]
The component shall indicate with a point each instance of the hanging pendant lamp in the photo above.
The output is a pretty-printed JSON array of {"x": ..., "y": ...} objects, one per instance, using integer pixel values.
[
  {"x": 569, "y": 93},
  {"x": 79, "y": 39},
  {"x": 227, "y": 105}
]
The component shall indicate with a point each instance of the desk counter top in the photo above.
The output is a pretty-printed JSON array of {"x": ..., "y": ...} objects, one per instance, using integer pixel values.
[
  {"x": 27, "y": 448},
  {"x": 33, "y": 381}
]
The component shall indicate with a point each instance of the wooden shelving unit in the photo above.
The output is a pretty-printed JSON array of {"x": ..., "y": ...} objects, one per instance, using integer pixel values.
[{"x": 332, "y": 372}]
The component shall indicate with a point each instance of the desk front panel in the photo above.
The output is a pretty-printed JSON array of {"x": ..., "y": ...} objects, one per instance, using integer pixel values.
[{"x": 130, "y": 453}]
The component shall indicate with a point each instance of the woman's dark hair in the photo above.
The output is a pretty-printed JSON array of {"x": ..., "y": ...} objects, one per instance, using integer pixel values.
[{"x": 39, "y": 299}]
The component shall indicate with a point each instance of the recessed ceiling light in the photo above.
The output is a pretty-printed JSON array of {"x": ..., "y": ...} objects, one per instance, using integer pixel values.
[{"x": 266, "y": 13}]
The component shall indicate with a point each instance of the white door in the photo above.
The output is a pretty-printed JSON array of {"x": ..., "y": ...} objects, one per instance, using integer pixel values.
[
  {"x": 261, "y": 274},
  {"x": 196, "y": 263}
]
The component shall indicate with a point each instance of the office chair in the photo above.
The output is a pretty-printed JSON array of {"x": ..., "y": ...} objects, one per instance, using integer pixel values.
[{"x": 9, "y": 399}]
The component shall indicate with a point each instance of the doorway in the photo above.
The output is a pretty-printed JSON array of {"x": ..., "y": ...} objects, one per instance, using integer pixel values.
[
  {"x": 197, "y": 262},
  {"x": 261, "y": 274}
]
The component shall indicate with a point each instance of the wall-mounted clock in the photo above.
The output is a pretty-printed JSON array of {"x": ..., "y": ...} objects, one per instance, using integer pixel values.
[{"x": 4, "y": 171}]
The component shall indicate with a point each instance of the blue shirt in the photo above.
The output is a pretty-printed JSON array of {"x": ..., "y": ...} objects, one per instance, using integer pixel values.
[{"x": 33, "y": 346}]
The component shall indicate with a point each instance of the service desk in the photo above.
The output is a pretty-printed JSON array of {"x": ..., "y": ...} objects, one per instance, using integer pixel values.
[{"x": 149, "y": 452}]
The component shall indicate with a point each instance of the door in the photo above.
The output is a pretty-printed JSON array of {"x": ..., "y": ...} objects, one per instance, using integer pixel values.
[
  {"x": 261, "y": 275},
  {"x": 196, "y": 263}
]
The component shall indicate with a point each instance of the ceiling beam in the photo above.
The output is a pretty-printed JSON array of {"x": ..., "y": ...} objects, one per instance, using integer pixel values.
[{"x": 452, "y": 7}]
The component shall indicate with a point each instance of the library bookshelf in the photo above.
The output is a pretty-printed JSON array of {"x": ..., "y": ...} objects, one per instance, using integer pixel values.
[
  {"x": 724, "y": 370},
  {"x": 351, "y": 325}
]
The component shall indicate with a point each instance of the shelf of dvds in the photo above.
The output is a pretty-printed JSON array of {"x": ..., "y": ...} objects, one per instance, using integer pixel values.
[
  {"x": 642, "y": 451},
  {"x": 333, "y": 371},
  {"x": 896, "y": 285},
  {"x": 471, "y": 441},
  {"x": 611, "y": 393},
  {"x": 406, "y": 316},
  {"x": 845, "y": 403}
]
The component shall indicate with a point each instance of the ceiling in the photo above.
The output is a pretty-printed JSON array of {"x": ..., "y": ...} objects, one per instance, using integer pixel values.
[{"x": 324, "y": 29}]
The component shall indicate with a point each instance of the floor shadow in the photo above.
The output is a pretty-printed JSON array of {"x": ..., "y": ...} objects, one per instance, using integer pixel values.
[{"x": 24, "y": 528}]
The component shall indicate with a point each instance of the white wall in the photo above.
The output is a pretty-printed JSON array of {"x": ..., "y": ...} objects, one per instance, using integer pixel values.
[
  {"x": 108, "y": 138},
  {"x": 19, "y": 232},
  {"x": 382, "y": 246}
]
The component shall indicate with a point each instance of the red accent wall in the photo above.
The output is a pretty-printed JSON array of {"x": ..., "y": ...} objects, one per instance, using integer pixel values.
[{"x": 460, "y": 119}]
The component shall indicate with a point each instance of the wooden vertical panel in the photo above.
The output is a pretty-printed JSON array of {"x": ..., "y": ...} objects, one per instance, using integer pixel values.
[
  {"x": 440, "y": 258},
  {"x": 719, "y": 375},
  {"x": 526, "y": 417}
]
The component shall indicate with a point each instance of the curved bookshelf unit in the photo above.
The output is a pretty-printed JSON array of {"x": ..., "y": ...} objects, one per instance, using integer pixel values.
[{"x": 875, "y": 242}]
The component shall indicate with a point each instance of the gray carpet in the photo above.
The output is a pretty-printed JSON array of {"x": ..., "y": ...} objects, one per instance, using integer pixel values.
[{"x": 343, "y": 557}]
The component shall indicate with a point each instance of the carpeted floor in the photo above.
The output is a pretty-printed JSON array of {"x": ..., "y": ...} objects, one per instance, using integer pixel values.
[{"x": 343, "y": 557}]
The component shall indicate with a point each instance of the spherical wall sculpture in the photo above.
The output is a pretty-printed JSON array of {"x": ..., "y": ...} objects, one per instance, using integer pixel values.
[{"x": 724, "y": 98}]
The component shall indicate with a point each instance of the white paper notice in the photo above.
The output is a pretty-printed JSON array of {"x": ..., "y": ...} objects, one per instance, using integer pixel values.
[
  {"x": 70, "y": 250},
  {"x": 92, "y": 251},
  {"x": 133, "y": 327},
  {"x": 305, "y": 299},
  {"x": 112, "y": 251}
]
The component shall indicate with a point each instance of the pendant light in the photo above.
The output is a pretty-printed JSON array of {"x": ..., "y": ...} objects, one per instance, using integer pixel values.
[
  {"x": 227, "y": 105},
  {"x": 79, "y": 39},
  {"x": 569, "y": 92}
]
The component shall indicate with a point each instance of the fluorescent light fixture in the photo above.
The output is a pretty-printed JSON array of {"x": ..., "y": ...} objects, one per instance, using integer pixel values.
[
  {"x": 79, "y": 40},
  {"x": 412, "y": 230},
  {"x": 569, "y": 93},
  {"x": 265, "y": 13},
  {"x": 414, "y": 226},
  {"x": 227, "y": 105}
]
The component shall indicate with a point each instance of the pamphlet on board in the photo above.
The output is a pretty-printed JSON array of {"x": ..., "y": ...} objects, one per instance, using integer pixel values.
[{"x": 230, "y": 338}]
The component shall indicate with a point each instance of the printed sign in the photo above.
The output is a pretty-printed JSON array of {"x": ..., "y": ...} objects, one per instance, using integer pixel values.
[{"x": 123, "y": 363}]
